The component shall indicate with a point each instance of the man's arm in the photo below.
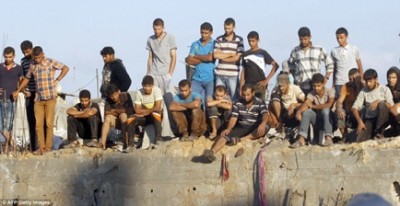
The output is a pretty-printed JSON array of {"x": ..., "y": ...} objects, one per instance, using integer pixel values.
[
  {"x": 173, "y": 62},
  {"x": 231, "y": 124},
  {"x": 82, "y": 114},
  {"x": 274, "y": 68},
  {"x": 64, "y": 71},
  {"x": 123, "y": 77},
  {"x": 233, "y": 59},
  {"x": 21, "y": 86},
  {"x": 140, "y": 110},
  {"x": 149, "y": 62},
  {"x": 323, "y": 106},
  {"x": 360, "y": 68}
]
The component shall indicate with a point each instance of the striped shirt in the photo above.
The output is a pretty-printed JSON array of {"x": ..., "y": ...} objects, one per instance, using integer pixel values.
[
  {"x": 230, "y": 47},
  {"x": 148, "y": 100},
  {"x": 25, "y": 64},
  {"x": 251, "y": 116},
  {"x": 44, "y": 73},
  {"x": 305, "y": 63}
]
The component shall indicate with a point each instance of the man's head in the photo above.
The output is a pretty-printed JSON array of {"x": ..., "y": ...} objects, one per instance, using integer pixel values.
[
  {"x": 248, "y": 93},
  {"x": 220, "y": 92},
  {"x": 185, "y": 88},
  {"x": 9, "y": 54},
  {"x": 229, "y": 26},
  {"x": 37, "y": 54},
  {"x": 393, "y": 76},
  {"x": 147, "y": 84},
  {"x": 318, "y": 83},
  {"x": 206, "y": 31},
  {"x": 84, "y": 98},
  {"x": 283, "y": 82},
  {"x": 253, "y": 38},
  {"x": 26, "y": 48},
  {"x": 304, "y": 37},
  {"x": 371, "y": 78},
  {"x": 353, "y": 74},
  {"x": 113, "y": 92},
  {"x": 158, "y": 27},
  {"x": 341, "y": 36},
  {"x": 108, "y": 54}
]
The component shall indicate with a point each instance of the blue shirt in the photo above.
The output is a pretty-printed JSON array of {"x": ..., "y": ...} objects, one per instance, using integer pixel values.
[
  {"x": 204, "y": 71},
  {"x": 193, "y": 96}
]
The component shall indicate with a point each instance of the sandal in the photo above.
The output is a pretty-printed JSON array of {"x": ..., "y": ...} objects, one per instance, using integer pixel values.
[
  {"x": 296, "y": 144},
  {"x": 73, "y": 144},
  {"x": 209, "y": 154},
  {"x": 235, "y": 140},
  {"x": 239, "y": 152}
]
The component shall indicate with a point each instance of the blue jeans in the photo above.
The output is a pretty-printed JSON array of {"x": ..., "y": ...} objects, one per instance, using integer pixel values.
[
  {"x": 338, "y": 88},
  {"x": 205, "y": 89},
  {"x": 6, "y": 115},
  {"x": 230, "y": 83},
  {"x": 320, "y": 119}
]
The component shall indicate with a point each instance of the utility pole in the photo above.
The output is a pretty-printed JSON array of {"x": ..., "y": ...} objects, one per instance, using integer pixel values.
[{"x": 97, "y": 82}]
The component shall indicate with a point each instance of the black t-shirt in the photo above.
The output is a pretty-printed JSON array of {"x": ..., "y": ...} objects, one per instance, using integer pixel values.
[
  {"x": 79, "y": 107},
  {"x": 253, "y": 63},
  {"x": 9, "y": 80}
]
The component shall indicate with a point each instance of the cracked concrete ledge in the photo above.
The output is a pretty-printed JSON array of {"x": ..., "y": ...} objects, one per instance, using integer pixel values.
[{"x": 169, "y": 175}]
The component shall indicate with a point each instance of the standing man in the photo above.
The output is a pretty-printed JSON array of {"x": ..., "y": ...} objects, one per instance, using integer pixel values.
[
  {"x": 228, "y": 49},
  {"x": 83, "y": 119},
  {"x": 114, "y": 72},
  {"x": 305, "y": 61},
  {"x": 345, "y": 57},
  {"x": 254, "y": 66},
  {"x": 44, "y": 69},
  {"x": 10, "y": 75},
  {"x": 162, "y": 56},
  {"x": 29, "y": 91},
  {"x": 201, "y": 55}
]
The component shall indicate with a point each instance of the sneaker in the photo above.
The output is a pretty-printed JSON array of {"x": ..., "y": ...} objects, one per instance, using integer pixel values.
[
  {"x": 73, "y": 144},
  {"x": 209, "y": 155}
]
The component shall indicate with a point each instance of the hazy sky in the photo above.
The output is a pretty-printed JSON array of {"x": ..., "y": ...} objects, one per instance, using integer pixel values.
[{"x": 74, "y": 32}]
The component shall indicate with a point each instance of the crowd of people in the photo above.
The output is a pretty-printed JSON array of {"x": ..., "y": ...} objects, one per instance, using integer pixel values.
[{"x": 222, "y": 98}]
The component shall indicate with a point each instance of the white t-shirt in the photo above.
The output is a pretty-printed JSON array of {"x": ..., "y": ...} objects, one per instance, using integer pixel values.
[
  {"x": 147, "y": 101},
  {"x": 294, "y": 95},
  {"x": 345, "y": 59}
]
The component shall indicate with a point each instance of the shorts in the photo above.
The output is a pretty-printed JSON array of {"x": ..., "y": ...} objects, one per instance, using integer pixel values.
[
  {"x": 6, "y": 115},
  {"x": 240, "y": 131}
]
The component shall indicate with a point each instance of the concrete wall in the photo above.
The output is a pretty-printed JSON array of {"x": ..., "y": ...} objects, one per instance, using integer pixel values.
[{"x": 169, "y": 175}]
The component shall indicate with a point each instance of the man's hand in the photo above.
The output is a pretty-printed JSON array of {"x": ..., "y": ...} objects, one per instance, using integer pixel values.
[
  {"x": 15, "y": 95},
  {"x": 263, "y": 84},
  {"x": 27, "y": 93},
  {"x": 225, "y": 132},
  {"x": 340, "y": 113},
  {"x": 261, "y": 130},
  {"x": 360, "y": 127},
  {"x": 291, "y": 109},
  {"x": 374, "y": 104}
]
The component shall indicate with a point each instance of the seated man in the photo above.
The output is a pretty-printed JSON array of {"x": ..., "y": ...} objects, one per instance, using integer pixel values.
[
  {"x": 84, "y": 119},
  {"x": 148, "y": 107},
  {"x": 347, "y": 97},
  {"x": 248, "y": 121},
  {"x": 186, "y": 109},
  {"x": 375, "y": 99},
  {"x": 286, "y": 98},
  {"x": 219, "y": 109},
  {"x": 118, "y": 107},
  {"x": 316, "y": 110}
]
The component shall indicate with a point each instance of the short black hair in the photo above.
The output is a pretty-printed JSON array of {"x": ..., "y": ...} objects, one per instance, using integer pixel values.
[
  {"x": 229, "y": 21},
  {"x": 253, "y": 35},
  {"x": 393, "y": 69},
  {"x": 353, "y": 71},
  {"x": 84, "y": 94},
  {"x": 342, "y": 30},
  {"x": 220, "y": 88},
  {"x": 26, "y": 45},
  {"x": 184, "y": 82},
  {"x": 9, "y": 50},
  {"x": 304, "y": 31},
  {"x": 318, "y": 78},
  {"x": 247, "y": 86},
  {"x": 370, "y": 74},
  {"x": 107, "y": 50},
  {"x": 111, "y": 89},
  {"x": 158, "y": 22},
  {"x": 37, "y": 50},
  {"x": 206, "y": 26},
  {"x": 148, "y": 80}
]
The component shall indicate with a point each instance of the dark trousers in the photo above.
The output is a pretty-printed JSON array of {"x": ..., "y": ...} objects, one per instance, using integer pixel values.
[
  {"x": 195, "y": 117},
  {"x": 30, "y": 112},
  {"x": 87, "y": 128},
  {"x": 376, "y": 125},
  {"x": 149, "y": 119}
]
